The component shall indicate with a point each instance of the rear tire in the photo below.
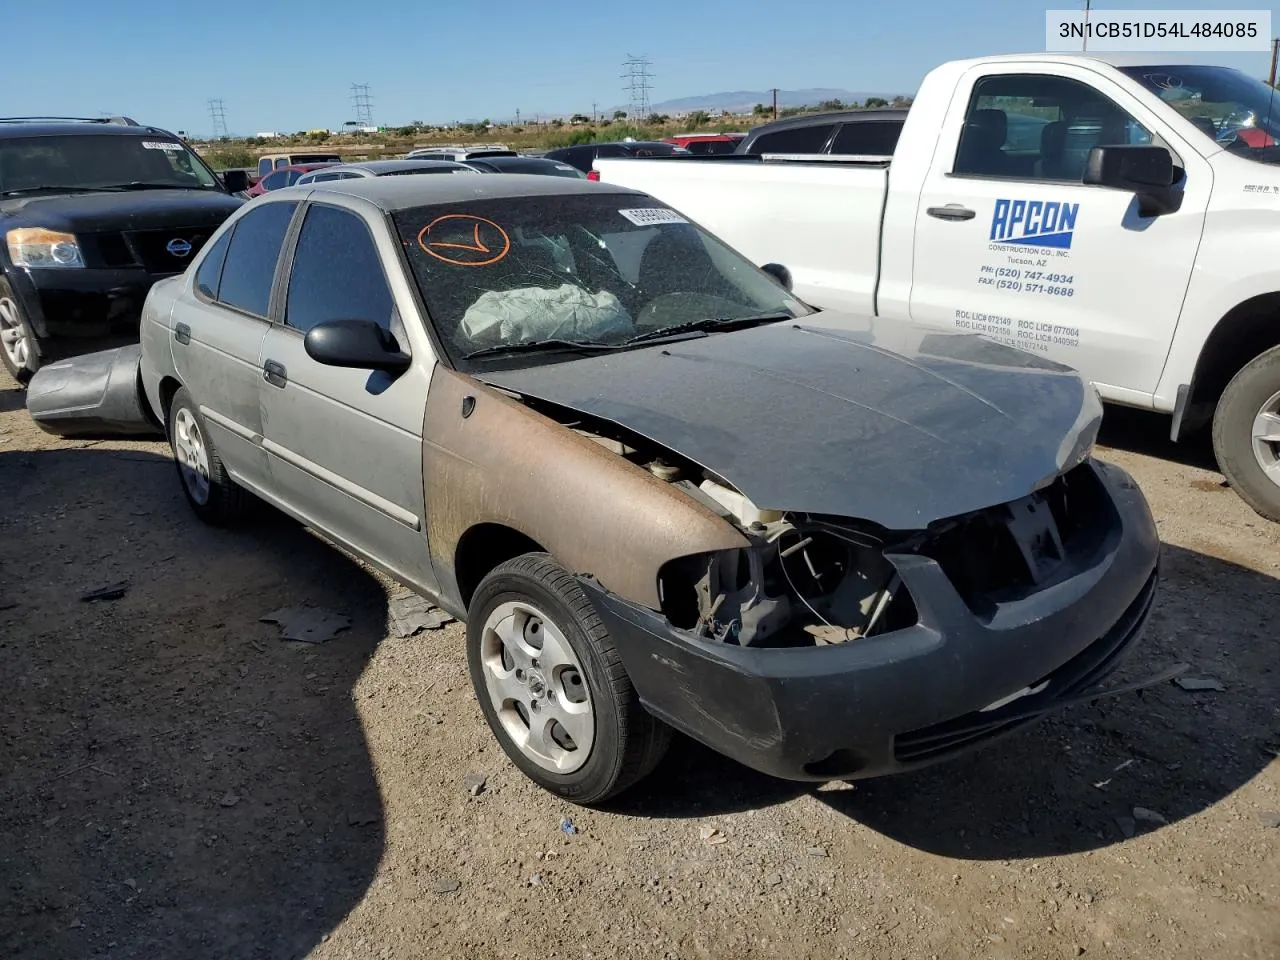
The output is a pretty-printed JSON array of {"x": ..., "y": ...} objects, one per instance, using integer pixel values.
[
  {"x": 213, "y": 495},
  {"x": 1246, "y": 433},
  {"x": 563, "y": 667},
  {"x": 19, "y": 350}
]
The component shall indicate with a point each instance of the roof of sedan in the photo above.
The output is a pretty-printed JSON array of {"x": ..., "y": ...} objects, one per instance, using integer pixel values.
[
  {"x": 393, "y": 166},
  {"x": 402, "y": 193}
]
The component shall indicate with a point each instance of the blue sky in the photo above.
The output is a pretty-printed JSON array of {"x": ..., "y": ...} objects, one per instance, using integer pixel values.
[{"x": 289, "y": 66}]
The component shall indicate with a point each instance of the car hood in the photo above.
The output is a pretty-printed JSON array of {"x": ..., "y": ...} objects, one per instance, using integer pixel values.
[
  {"x": 841, "y": 415},
  {"x": 129, "y": 210}
]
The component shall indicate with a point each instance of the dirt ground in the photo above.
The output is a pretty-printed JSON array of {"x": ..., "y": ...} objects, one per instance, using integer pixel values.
[{"x": 176, "y": 781}]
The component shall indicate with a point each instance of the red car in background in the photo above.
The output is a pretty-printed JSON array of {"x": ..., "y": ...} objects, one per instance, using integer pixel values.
[
  {"x": 703, "y": 144},
  {"x": 283, "y": 177}
]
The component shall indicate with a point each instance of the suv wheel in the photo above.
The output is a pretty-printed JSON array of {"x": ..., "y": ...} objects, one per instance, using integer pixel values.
[
  {"x": 552, "y": 686},
  {"x": 17, "y": 342},
  {"x": 213, "y": 495},
  {"x": 1246, "y": 433}
]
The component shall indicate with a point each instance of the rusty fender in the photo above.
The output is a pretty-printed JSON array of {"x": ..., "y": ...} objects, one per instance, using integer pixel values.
[{"x": 593, "y": 511}]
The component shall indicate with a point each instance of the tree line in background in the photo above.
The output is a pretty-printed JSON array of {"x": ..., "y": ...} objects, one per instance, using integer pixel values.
[{"x": 556, "y": 132}]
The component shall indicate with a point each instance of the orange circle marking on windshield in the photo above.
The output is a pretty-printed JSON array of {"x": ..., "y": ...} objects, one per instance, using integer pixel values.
[{"x": 467, "y": 243}]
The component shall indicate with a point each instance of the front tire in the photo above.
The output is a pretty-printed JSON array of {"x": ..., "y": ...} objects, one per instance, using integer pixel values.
[
  {"x": 1246, "y": 433},
  {"x": 19, "y": 350},
  {"x": 552, "y": 685},
  {"x": 213, "y": 495}
]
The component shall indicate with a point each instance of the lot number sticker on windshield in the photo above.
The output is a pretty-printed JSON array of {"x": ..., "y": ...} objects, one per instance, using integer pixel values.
[
  {"x": 650, "y": 216},
  {"x": 161, "y": 145}
]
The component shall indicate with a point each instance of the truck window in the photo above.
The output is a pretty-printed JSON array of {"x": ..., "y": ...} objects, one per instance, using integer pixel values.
[
  {"x": 1038, "y": 127},
  {"x": 796, "y": 140},
  {"x": 870, "y": 138}
]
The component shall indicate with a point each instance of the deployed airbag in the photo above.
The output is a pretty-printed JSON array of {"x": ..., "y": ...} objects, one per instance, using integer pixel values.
[{"x": 538, "y": 313}]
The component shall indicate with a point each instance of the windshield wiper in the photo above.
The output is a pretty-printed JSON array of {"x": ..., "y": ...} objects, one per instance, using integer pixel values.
[
  {"x": 143, "y": 185},
  {"x": 538, "y": 346},
  {"x": 705, "y": 324},
  {"x": 60, "y": 187}
]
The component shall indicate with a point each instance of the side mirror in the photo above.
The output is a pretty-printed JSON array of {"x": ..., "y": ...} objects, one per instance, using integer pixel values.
[
  {"x": 362, "y": 344},
  {"x": 779, "y": 273},
  {"x": 235, "y": 181},
  {"x": 1146, "y": 171}
]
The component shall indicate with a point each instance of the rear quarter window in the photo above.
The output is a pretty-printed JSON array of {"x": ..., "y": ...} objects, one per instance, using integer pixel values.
[
  {"x": 797, "y": 140},
  {"x": 874, "y": 138}
]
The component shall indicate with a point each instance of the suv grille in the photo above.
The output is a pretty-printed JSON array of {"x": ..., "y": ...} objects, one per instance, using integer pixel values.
[{"x": 150, "y": 247}]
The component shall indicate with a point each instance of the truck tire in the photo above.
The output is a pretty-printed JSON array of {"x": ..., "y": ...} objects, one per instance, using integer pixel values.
[
  {"x": 1246, "y": 433},
  {"x": 19, "y": 350},
  {"x": 552, "y": 686},
  {"x": 213, "y": 495}
]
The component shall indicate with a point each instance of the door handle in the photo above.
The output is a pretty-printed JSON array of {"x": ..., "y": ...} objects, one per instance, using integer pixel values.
[
  {"x": 274, "y": 374},
  {"x": 952, "y": 211},
  {"x": 182, "y": 333}
]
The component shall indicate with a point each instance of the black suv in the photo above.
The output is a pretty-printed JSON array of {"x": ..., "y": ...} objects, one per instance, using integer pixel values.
[
  {"x": 92, "y": 213},
  {"x": 860, "y": 132},
  {"x": 584, "y": 155}
]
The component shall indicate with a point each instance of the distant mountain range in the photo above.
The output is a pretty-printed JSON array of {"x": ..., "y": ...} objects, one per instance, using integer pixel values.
[{"x": 741, "y": 101}]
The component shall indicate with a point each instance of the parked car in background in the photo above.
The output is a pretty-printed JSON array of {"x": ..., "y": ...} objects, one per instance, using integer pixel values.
[
  {"x": 283, "y": 177},
  {"x": 92, "y": 212},
  {"x": 858, "y": 132},
  {"x": 623, "y": 455},
  {"x": 461, "y": 153},
  {"x": 275, "y": 161},
  {"x": 534, "y": 165},
  {"x": 380, "y": 168},
  {"x": 584, "y": 155},
  {"x": 704, "y": 144}
]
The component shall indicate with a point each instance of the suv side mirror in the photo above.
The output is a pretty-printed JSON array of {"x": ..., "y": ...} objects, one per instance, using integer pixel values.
[
  {"x": 1147, "y": 171},
  {"x": 779, "y": 273},
  {"x": 362, "y": 344},
  {"x": 235, "y": 180}
]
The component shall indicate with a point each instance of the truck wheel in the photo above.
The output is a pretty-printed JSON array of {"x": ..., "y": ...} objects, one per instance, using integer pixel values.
[
  {"x": 213, "y": 495},
  {"x": 1246, "y": 433},
  {"x": 552, "y": 686},
  {"x": 18, "y": 347}
]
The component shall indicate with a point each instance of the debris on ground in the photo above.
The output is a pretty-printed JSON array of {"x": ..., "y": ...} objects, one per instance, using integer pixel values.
[
  {"x": 1200, "y": 683},
  {"x": 816, "y": 851},
  {"x": 228, "y": 800},
  {"x": 567, "y": 826},
  {"x": 474, "y": 782},
  {"x": 1270, "y": 819},
  {"x": 446, "y": 885},
  {"x": 1102, "y": 783},
  {"x": 535, "y": 880},
  {"x": 307, "y": 624},
  {"x": 113, "y": 592},
  {"x": 1150, "y": 816},
  {"x": 1127, "y": 826},
  {"x": 364, "y": 819},
  {"x": 711, "y": 836},
  {"x": 411, "y": 614},
  {"x": 773, "y": 879}
]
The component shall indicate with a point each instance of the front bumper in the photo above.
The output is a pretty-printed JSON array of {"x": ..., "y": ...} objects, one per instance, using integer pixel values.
[
  {"x": 906, "y": 699},
  {"x": 93, "y": 395},
  {"x": 83, "y": 302}
]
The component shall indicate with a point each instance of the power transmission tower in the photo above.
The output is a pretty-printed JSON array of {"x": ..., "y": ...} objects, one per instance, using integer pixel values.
[
  {"x": 637, "y": 76},
  {"x": 219, "y": 117},
  {"x": 362, "y": 103}
]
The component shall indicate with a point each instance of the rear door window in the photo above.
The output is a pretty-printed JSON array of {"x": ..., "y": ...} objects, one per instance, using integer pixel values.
[
  {"x": 796, "y": 140},
  {"x": 871, "y": 138},
  {"x": 250, "y": 266}
]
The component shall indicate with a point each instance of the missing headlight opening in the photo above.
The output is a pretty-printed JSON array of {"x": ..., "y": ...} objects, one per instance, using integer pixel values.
[{"x": 801, "y": 582}]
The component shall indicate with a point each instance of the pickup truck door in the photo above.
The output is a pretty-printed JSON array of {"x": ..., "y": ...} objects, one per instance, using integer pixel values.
[
  {"x": 344, "y": 445},
  {"x": 1010, "y": 243}
]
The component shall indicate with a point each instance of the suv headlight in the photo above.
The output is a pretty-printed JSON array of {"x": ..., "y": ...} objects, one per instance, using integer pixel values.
[{"x": 38, "y": 247}]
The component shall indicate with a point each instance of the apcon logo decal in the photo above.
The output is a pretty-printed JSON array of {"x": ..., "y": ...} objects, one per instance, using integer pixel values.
[{"x": 1034, "y": 223}]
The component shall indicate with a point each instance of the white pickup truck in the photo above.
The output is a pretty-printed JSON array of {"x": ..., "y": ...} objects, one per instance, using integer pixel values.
[{"x": 1120, "y": 217}]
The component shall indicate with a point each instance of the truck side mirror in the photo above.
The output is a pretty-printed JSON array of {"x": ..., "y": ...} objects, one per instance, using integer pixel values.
[
  {"x": 779, "y": 273},
  {"x": 235, "y": 180},
  {"x": 1147, "y": 171}
]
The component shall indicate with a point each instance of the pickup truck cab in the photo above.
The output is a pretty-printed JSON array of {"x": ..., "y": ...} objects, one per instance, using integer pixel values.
[{"x": 1116, "y": 215}]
